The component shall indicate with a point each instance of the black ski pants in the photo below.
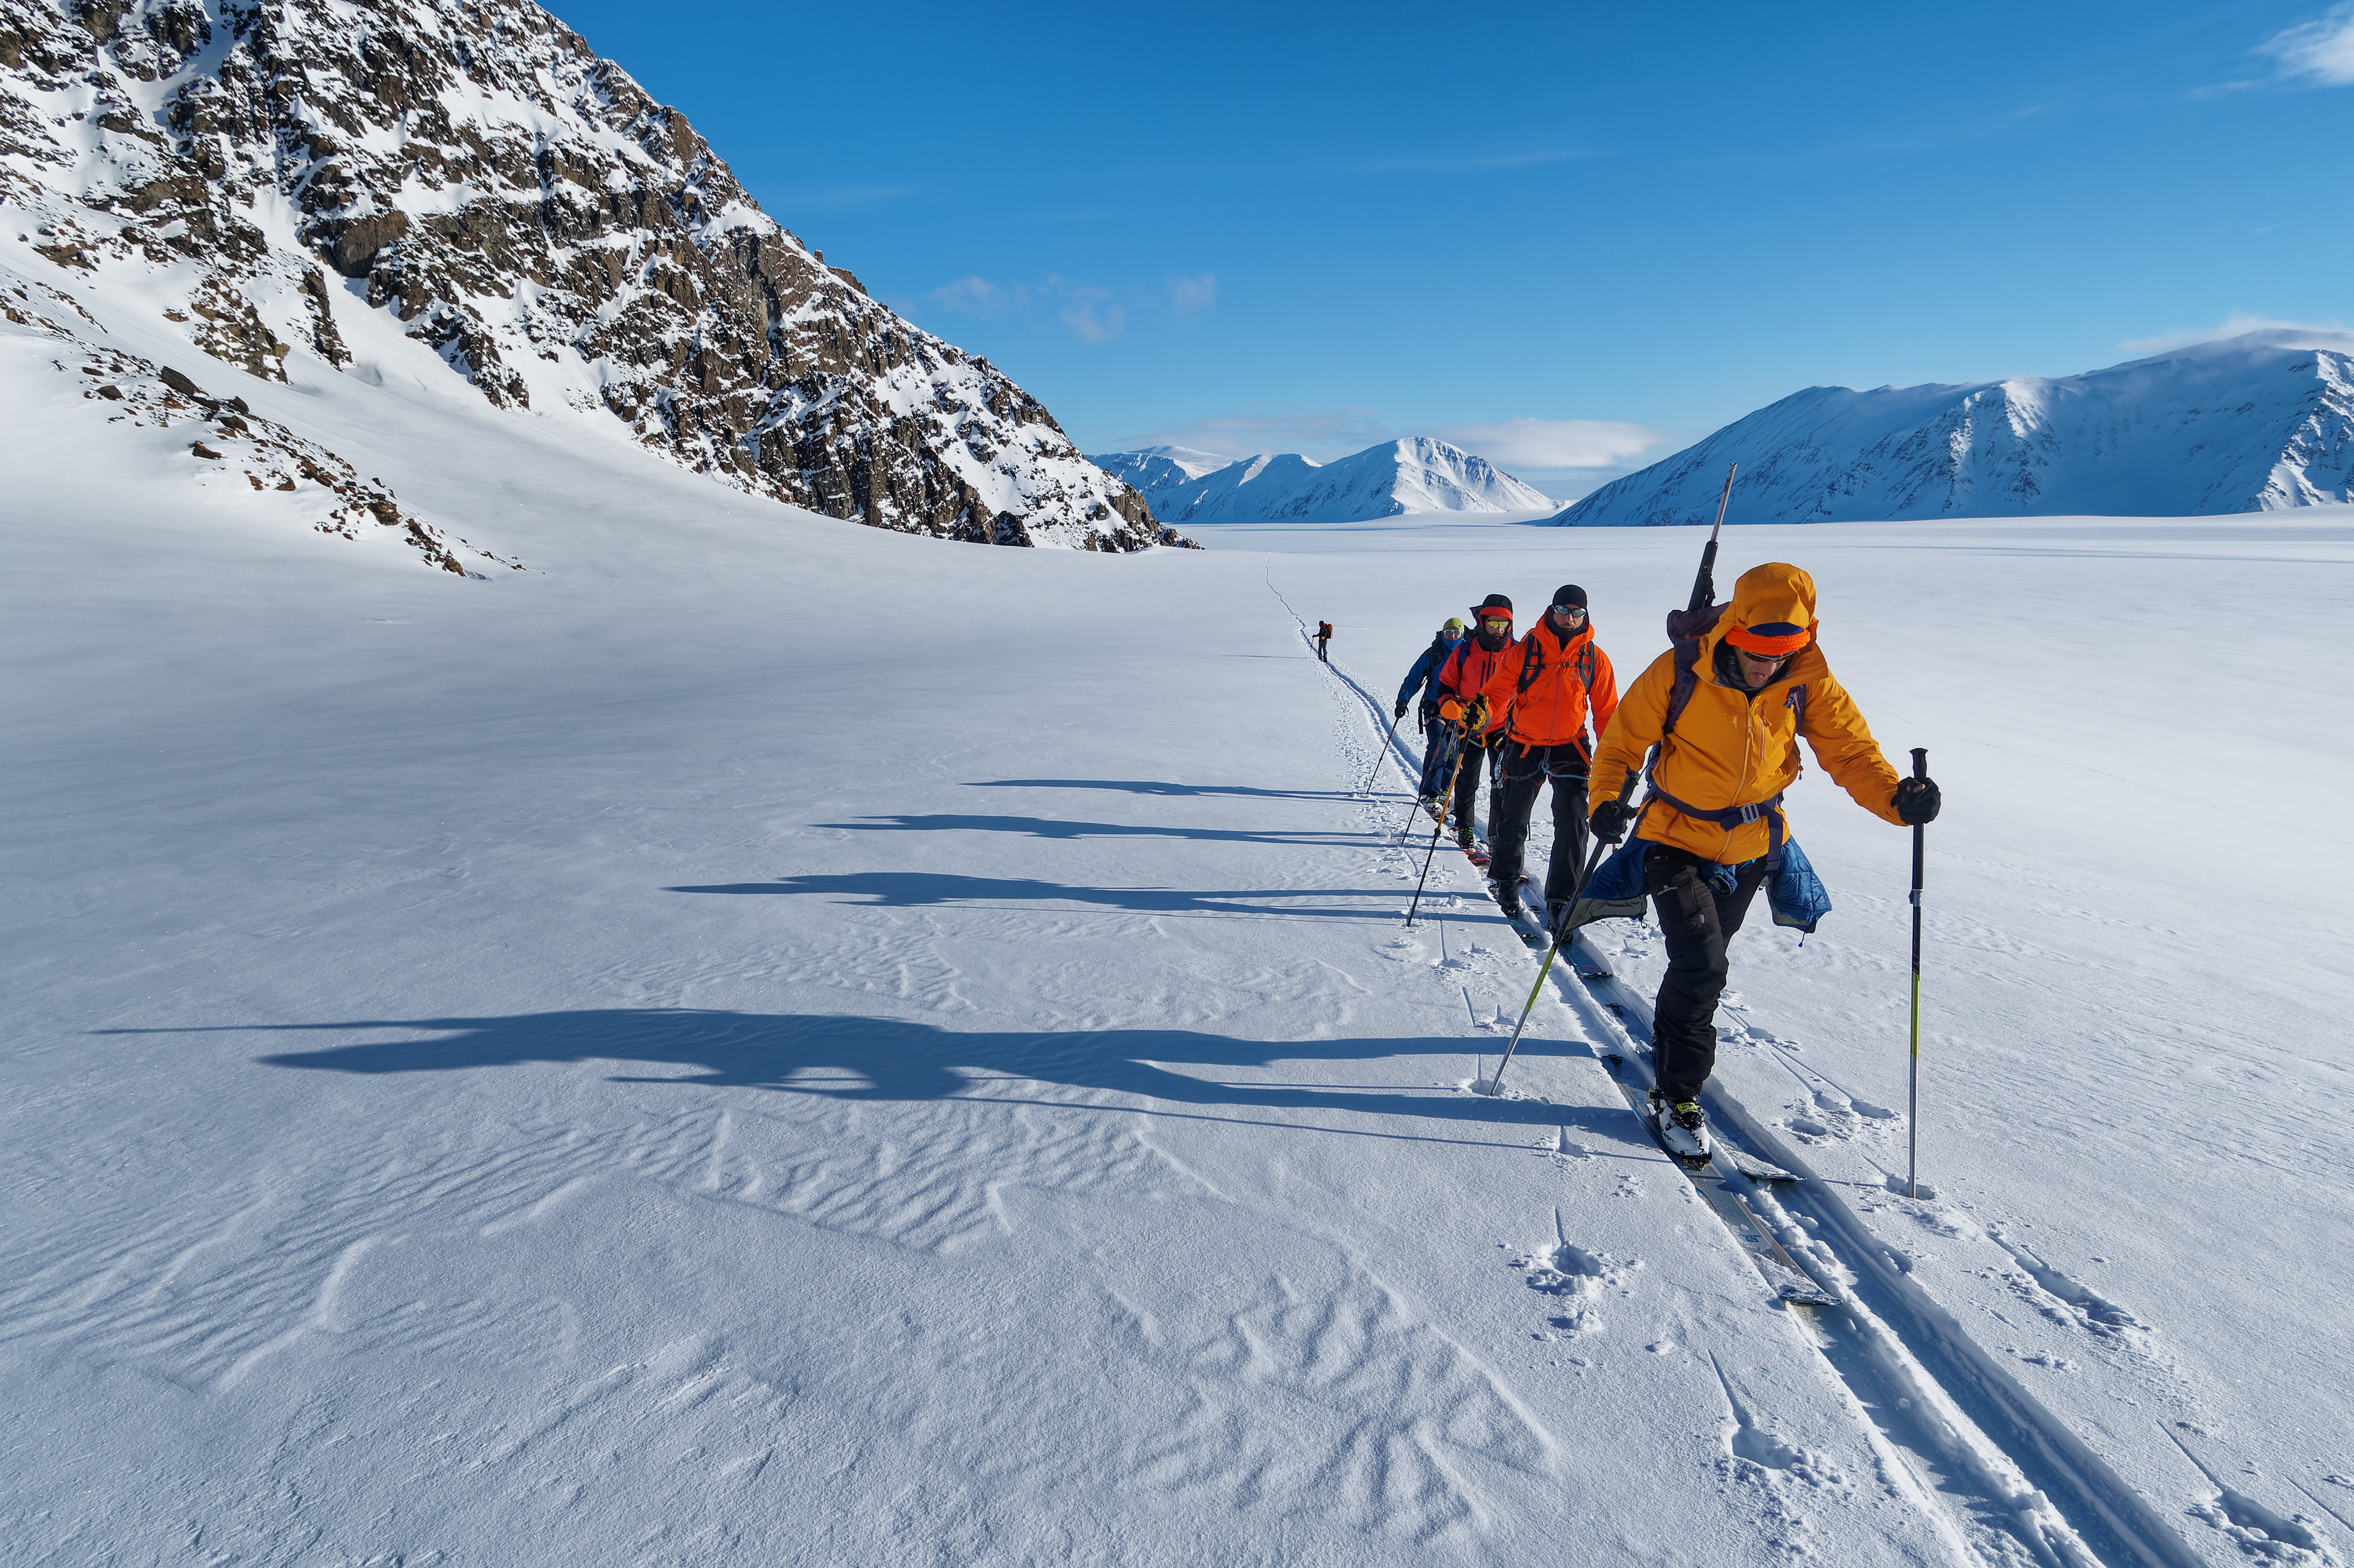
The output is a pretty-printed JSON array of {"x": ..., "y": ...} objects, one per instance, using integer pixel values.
[
  {"x": 1698, "y": 921},
  {"x": 1321, "y": 643},
  {"x": 1466, "y": 783},
  {"x": 1523, "y": 770},
  {"x": 1437, "y": 750}
]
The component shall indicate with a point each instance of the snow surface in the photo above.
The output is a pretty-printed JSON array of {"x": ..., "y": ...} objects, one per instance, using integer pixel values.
[
  {"x": 759, "y": 1039},
  {"x": 1415, "y": 475},
  {"x": 2254, "y": 423}
]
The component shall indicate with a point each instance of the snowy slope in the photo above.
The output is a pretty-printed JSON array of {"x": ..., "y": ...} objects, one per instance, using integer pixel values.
[
  {"x": 1416, "y": 474},
  {"x": 1159, "y": 471},
  {"x": 705, "y": 1048},
  {"x": 277, "y": 177},
  {"x": 2252, "y": 423}
]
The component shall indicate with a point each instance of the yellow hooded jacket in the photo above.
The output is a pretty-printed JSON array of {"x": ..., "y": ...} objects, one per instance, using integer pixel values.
[{"x": 1732, "y": 747}]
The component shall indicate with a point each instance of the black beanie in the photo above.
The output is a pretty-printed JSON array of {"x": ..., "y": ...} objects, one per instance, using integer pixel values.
[
  {"x": 1494, "y": 601},
  {"x": 1570, "y": 594}
]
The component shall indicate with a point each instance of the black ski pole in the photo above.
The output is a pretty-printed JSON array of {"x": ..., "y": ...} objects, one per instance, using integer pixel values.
[
  {"x": 1705, "y": 585},
  {"x": 1445, "y": 799},
  {"x": 1626, "y": 793},
  {"x": 1913, "y": 1119},
  {"x": 1383, "y": 752}
]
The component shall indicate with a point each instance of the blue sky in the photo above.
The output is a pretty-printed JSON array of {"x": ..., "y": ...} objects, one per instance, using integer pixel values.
[{"x": 1569, "y": 237}]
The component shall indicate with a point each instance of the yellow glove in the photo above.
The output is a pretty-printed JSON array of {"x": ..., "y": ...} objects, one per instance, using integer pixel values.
[{"x": 1475, "y": 717}]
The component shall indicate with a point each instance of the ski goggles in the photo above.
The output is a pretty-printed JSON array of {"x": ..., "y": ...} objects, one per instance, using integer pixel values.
[
  {"x": 1494, "y": 623},
  {"x": 1575, "y": 612}
]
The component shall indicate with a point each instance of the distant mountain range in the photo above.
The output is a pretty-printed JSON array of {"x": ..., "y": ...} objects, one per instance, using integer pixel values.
[
  {"x": 2252, "y": 423},
  {"x": 1416, "y": 474}
]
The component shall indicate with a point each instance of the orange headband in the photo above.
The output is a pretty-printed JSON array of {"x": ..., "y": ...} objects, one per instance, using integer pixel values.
[{"x": 1774, "y": 640}]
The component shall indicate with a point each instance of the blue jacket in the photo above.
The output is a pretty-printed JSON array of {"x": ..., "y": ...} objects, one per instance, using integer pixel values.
[{"x": 1424, "y": 673}]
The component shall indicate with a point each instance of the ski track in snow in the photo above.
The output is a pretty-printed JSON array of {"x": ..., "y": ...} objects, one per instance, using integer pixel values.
[{"x": 2006, "y": 1518}]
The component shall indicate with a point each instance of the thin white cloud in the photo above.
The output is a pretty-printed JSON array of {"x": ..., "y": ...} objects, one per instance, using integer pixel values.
[
  {"x": 1554, "y": 443},
  {"x": 1475, "y": 163},
  {"x": 2233, "y": 325},
  {"x": 1088, "y": 312},
  {"x": 2319, "y": 53},
  {"x": 976, "y": 297},
  {"x": 1187, "y": 295}
]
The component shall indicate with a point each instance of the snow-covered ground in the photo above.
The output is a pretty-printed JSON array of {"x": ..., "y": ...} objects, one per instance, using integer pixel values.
[{"x": 757, "y": 1039}]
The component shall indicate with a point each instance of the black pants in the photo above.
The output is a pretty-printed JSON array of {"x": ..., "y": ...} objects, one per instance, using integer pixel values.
[
  {"x": 1523, "y": 771},
  {"x": 1320, "y": 650},
  {"x": 1698, "y": 922},
  {"x": 1467, "y": 784},
  {"x": 1437, "y": 750}
]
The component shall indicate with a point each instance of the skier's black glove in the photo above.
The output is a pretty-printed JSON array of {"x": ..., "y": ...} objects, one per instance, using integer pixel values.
[
  {"x": 1610, "y": 820},
  {"x": 1398, "y": 712},
  {"x": 1917, "y": 801}
]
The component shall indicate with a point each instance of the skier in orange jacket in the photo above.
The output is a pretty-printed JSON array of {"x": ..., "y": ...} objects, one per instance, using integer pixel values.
[
  {"x": 1713, "y": 825},
  {"x": 1543, "y": 689}
]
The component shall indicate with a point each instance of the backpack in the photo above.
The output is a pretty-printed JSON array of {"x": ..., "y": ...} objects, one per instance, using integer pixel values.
[{"x": 1533, "y": 665}]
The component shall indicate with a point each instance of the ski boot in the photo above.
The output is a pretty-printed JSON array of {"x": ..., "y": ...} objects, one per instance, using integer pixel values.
[
  {"x": 1470, "y": 846},
  {"x": 1683, "y": 1127},
  {"x": 1557, "y": 915},
  {"x": 1508, "y": 899},
  {"x": 1434, "y": 808}
]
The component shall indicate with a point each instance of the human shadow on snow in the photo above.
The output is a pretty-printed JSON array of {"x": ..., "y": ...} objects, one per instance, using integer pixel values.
[
  {"x": 1147, "y": 787},
  {"x": 910, "y": 889},
  {"x": 1048, "y": 828},
  {"x": 895, "y": 1060}
]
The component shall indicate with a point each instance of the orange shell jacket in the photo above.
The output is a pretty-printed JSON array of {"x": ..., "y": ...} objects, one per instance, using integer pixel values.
[
  {"x": 1731, "y": 747},
  {"x": 1466, "y": 675},
  {"x": 1552, "y": 711}
]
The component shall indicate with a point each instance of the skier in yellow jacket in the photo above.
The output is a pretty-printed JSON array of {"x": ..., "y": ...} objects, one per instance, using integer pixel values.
[{"x": 1728, "y": 748}]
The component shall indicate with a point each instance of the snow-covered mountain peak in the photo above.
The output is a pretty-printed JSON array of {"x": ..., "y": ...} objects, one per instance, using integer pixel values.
[
  {"x": 2250, "y": 423},
  {"x": 286, "y": 177},
  {"x": 1414, "y": 473}
]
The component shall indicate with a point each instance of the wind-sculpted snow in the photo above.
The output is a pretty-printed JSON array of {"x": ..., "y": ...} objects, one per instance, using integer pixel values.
[
  {"x": 1417, "y": 474},
  {"x": 1312, "y": 1390},
  {"x": 259, "y": 171},
  {"x": 2247, "y": 424}
]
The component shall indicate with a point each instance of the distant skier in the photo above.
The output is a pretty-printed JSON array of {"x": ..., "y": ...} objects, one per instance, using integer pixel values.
[
  {"x": 1713, "y": 825},
  {"x": 1323, "y": 641},
  {"x": 1437, "y": 752},
  {"x": 1545, "y": 685},
  {"x": 1461, "y": 680}
]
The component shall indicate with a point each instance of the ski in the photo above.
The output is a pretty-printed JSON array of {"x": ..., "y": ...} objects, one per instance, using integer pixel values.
[
  {"x": 1582, "y": 957},
  {"x": 1782, "y": 1272},
  {"x": 1712, "y": 1177}
]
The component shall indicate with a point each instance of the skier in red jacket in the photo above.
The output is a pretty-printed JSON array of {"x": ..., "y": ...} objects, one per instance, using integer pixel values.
[{"x": 1466, "y": 670}]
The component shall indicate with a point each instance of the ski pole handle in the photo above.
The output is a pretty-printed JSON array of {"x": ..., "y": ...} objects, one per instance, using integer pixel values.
[{"x": 1920, "y": 762}]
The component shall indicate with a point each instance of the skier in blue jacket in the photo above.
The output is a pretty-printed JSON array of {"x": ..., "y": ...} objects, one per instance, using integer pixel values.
[{"x": 1437, "y": 752}]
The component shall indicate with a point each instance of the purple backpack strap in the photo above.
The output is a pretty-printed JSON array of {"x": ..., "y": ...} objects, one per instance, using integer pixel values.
[{"x": 1685, "y": 630}]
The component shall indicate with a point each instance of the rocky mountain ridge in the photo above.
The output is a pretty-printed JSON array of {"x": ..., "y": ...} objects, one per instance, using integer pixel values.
[
  {"x": 1418, "y": 473},
  {"x": 2252, "y": 423},
  {"x": 264, "y": 174}
]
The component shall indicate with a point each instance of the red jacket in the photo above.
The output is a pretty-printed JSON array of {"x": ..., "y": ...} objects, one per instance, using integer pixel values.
[
  {"x": 1466, "y": 673},
  {"x": 1548, "y": 706}
]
